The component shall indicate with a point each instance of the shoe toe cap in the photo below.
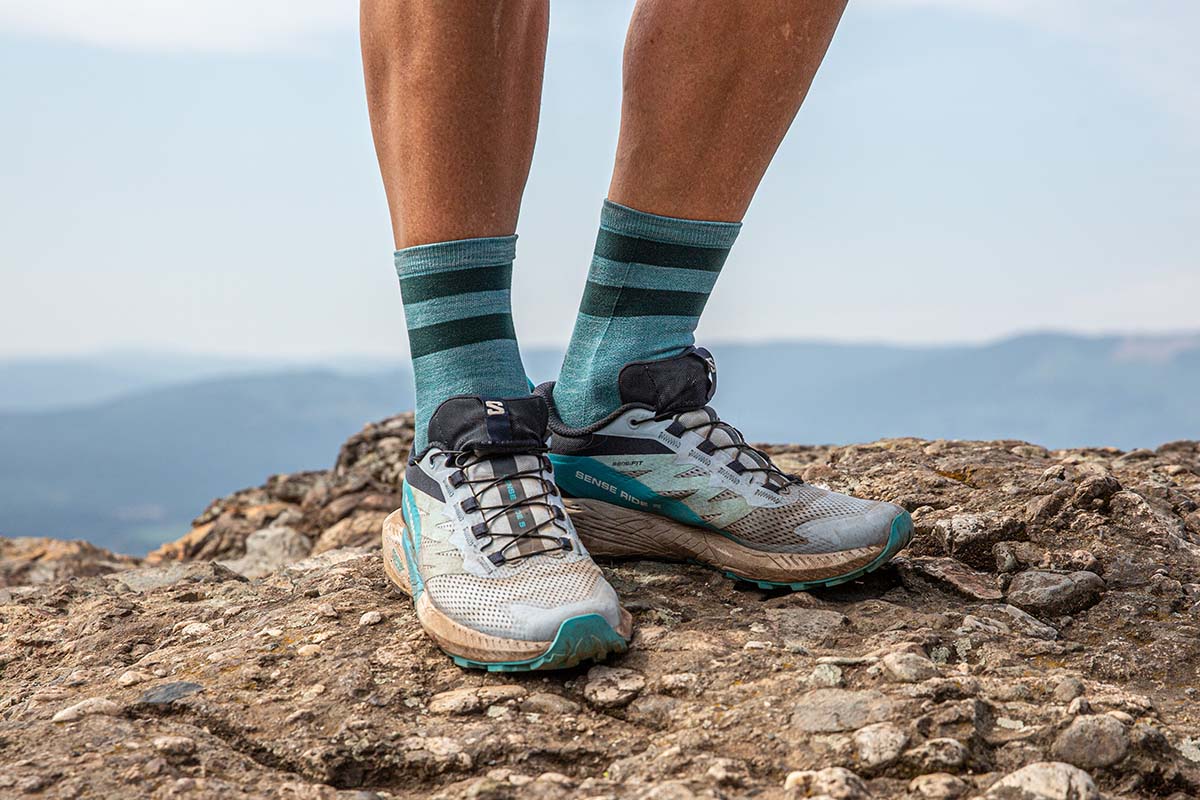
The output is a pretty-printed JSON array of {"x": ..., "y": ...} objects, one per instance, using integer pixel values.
[
  {"x": 539, "y": 624},
  {"x": 871, "y": 528},
  {"x": 529, "y": 604}
]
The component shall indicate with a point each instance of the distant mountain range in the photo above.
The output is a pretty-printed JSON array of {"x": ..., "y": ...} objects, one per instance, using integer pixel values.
[{"x": 125, "y": 449}]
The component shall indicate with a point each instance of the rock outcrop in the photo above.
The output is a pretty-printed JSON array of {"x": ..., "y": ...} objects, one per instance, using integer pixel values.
[
  {"x": 27, "y": 560},
  {"x": 1040, "y": 639}
]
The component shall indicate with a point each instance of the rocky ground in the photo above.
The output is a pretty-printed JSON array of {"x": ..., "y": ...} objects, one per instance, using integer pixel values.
[{"x": 1038, "y": 640}]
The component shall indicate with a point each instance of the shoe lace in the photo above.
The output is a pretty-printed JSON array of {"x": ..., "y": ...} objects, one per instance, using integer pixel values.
[
  {"x": 546, "y": 530},
  {"x": 763, "y": 465}
]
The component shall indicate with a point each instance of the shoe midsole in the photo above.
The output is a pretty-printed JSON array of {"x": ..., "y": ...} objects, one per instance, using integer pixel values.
[{"x": 609, "y": 530}]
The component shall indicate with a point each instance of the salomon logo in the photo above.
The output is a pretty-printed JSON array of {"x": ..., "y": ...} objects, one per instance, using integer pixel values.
[{"x": 494, "y": 407}]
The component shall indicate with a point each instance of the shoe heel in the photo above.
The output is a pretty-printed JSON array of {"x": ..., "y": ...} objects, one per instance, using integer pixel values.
[{"x": 395, "y": 564}]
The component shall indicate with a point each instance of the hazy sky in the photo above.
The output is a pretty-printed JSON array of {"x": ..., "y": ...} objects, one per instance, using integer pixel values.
[{"x": 200, "y": 176}]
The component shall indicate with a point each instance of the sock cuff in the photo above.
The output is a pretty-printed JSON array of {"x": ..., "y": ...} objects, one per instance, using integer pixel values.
[
  {"x": 628, "y": 221},
  {"x": 488, "y": 251}
]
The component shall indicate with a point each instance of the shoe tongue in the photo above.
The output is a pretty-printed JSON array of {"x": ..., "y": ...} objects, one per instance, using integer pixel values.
[
  {"x": 512, "y": 491},
  {"x": 670, "y": 385},
  {"x": 488, "y": 426}
]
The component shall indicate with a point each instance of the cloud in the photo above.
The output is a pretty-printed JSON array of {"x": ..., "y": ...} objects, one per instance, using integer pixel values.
[{"x": 181, "y": 25}]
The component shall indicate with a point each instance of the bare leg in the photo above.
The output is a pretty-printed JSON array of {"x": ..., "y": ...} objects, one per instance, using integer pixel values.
[
  {"x": 710, "y": 88},
  {"x": 453, "y": 89}
]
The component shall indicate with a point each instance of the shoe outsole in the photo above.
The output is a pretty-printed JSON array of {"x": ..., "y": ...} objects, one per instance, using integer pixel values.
[
  {"x": 899, "y": 536},
  {"x": 613, "y": 531},
  {"x": 587, "y": 637}
]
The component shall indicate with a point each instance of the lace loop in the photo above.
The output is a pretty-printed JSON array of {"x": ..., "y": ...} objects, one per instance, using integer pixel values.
[
  {"x": 483, "y": 532},
  {"x": 737, "y": 444}
]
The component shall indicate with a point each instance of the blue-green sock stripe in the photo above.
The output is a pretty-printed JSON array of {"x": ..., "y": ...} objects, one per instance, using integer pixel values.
[
  {"x": 600, "y": 300},
  {"x": 618, "y": 247},
  {"x": 650, "y": 276},
  {"x": 458, "y": 332},
  {"x": 459, "y": 306},
  {"x": 432, "y": 285}
]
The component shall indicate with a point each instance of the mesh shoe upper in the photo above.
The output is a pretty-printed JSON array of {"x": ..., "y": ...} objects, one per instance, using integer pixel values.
[{"x": 528, "y": 604}]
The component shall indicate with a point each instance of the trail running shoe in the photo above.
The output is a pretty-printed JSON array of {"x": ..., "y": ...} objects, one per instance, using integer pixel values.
[
  {"x": 664, "y": 477},
  {"x": 498, "y": 575}
]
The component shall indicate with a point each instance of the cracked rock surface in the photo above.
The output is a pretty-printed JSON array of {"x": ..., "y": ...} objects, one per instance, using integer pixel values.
[{"x": 1040, "y": 639}]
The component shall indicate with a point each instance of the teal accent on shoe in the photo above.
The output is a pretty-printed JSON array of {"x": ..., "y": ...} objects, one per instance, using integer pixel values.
[
  {"x": 412, "y": 539},
  {"x": 579, "y": 639},
  {"x": 898, "y": 538},
  {"x": 624, "y": 491}
]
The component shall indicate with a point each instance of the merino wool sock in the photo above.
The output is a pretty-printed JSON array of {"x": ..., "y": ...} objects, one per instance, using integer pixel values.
[
  {"x": 460, "y": 328},
  {"x": 649, "y": 280}
]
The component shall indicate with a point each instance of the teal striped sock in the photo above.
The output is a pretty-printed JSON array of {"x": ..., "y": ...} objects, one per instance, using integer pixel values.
[
  {"x": 460, "y": 328},
  {"x": 649, "y": 280}
]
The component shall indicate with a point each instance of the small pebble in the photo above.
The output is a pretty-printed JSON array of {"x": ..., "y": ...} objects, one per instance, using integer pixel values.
[
  {"x": 194, "y": 630},
  {"x": 77, "y": 678},
  {"x": 1068, "y": 689},
  {"x": 909, "y": 667},
  {"x": 174, "y": 745},
  {"x": 131, "y": 677},
  {"x": 938, "y": 786},
  {"x": 84, "y": 708},
  {"x": 826, "y": 675},
  {"x": 612, "y": 687}
]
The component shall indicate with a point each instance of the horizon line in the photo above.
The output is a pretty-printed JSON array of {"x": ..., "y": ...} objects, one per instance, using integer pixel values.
[{"x": 401, "y": 354}]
